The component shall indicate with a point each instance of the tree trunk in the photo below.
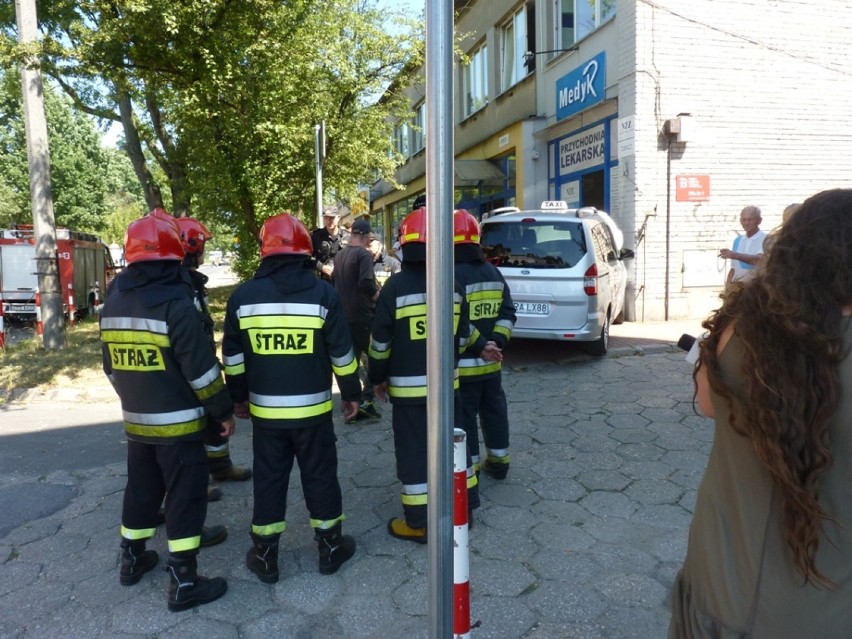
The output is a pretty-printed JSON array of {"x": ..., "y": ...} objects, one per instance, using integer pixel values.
[
  {"x": 247, "y": 205},
  {"x": 171, "y": 161},
  {"x": 153, "y": 197}
]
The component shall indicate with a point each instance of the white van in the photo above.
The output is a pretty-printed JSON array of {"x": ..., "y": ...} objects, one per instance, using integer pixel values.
[{"x": 565, "y": 270}]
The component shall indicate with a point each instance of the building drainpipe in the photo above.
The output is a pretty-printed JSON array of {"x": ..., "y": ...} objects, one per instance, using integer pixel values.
[{"x": 668, "y": 219}]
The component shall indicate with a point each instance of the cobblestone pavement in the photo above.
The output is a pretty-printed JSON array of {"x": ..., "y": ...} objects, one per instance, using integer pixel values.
[{"x": 582, "y": 540}]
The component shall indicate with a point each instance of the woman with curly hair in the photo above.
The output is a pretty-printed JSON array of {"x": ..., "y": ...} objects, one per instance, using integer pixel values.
[{"x": 770, "y": 546}]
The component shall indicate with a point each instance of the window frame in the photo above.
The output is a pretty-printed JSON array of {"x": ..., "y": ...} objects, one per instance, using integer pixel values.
[
  {"x": 475, "y": 77},
  {"x": 514, "y": 43},
  {"x": 556, "y": 33},
  {"x": 401, "y": 142},
  {"x": 418, "y": 130}
]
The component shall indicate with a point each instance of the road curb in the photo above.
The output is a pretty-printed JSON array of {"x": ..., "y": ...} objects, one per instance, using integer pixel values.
[{"x": 646, "y": 349}]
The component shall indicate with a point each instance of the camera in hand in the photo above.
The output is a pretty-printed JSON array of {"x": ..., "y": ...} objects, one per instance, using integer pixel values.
[{"x": 324, "y": 251}]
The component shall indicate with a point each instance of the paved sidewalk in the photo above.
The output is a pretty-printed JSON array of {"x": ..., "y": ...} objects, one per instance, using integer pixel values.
[{"x": 582, "y": 540}]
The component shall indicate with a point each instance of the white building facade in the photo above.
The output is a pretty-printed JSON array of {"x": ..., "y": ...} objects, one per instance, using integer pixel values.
[{"x": 670, "y": 114}]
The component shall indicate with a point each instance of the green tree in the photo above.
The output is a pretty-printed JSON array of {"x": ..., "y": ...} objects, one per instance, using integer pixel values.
[
  {"x": 223, "y": 96},
  {"x": 81, "y": 183}
]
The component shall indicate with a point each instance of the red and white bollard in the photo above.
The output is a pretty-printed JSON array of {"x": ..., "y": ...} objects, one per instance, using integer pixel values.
[
  {"x": 39, "y": 326},
  {"x": 2, "y": 327},
  {"x": 461, "y": 557}
]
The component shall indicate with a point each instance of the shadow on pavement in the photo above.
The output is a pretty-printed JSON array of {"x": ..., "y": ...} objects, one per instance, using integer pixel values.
[{"x": 61, "y": 449}]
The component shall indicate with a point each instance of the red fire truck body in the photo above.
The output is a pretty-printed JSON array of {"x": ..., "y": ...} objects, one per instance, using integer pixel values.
[{"x": 83, "y": 260}]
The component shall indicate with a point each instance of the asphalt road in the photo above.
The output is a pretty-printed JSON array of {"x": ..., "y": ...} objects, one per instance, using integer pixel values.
[{"x": 42, "y": 437}]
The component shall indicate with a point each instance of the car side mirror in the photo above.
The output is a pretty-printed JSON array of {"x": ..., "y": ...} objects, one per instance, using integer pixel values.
[{"x": 626, "y": 254}]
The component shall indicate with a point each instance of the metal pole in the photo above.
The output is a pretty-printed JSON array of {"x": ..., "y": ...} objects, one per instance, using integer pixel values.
[
  {"x": 668, "y": 222},
  {"x": 318, "y": 152},
  {"x": 41, "y": 198},
  {"x": 440, "y": 277}
]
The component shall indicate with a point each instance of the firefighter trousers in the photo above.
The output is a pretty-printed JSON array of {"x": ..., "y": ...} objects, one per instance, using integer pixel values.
[
  {"x": 360, "y": 333},
  {"x": 484, "y": 399},
  {"x": 176, "y": 471},
  {"x": 216, "y": 445},
  {"x": 410, "y": 448},
  {"x": 275, "y": 450}
]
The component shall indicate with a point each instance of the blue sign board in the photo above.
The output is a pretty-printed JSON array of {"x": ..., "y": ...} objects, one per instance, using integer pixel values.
[{"x": 582, "y": 87}]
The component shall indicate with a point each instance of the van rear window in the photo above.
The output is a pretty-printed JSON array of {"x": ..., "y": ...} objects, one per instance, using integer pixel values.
[{"x": 534, "y": 244}]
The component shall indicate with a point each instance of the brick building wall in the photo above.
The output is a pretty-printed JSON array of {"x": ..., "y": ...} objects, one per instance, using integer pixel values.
[{"x": 768, "y": 85}]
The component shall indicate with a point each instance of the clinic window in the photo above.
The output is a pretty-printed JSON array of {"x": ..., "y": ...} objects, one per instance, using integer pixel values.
[
  {"x": 517, "y": 37},
  {"x": 573, "y": 20},
  {"x": 475, "y": 74},
  {"x": 418, "y": 131}
]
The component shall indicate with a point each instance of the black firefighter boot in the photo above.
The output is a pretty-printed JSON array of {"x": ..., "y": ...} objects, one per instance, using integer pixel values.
[
  {"x": 334, "y": 548},
  {"x": 222, "y": 468},
  {"x": 135, "y": 561},
  {"x": 262, "y": 557},
  {"x": 186, "y": 588}
]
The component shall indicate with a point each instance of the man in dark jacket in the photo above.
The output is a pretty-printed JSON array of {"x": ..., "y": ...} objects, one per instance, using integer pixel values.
[
  {"x": 285, "y": 335},
  {"x": 328, "y": 241},
  {"x": 156, "y": 355},
  {"x": 355, "y": 282}
]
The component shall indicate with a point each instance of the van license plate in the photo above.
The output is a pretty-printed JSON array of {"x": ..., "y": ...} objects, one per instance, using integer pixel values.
[
  {"x": 532, "y": 308},
  {"x": 23, "y": 308}
]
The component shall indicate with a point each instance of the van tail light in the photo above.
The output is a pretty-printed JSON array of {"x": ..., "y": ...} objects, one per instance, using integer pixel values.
[{"x": 590, "y": 280}]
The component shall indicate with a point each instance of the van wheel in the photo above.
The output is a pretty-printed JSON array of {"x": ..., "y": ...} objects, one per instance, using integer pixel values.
[{"x": 599, "y": 347}]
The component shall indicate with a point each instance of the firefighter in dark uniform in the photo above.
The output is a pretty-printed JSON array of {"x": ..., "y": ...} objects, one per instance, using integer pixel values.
[
  {"x": 493, "y": 313},
  {"x": 397, "y": 368},
  {"x": 157, "y": 357},
  {"x": 285, "y": 334},
  {"x": 193, "y": 235},
  {"x": 327, "y": 242}
]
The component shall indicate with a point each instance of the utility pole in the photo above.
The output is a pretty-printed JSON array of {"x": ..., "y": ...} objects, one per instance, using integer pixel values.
[{"x": 41, "y": 198}]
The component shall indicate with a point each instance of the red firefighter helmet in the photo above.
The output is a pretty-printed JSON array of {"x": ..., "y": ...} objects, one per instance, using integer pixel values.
[
  {"x": 193, "y": 234},
  {"x": 153, "y": 237},
  {"x": 413, "y": 227},
  {"x": 465, "y": 228},
  {"x": 161, "y": 213},
  {"x": 284, "y": 234}
]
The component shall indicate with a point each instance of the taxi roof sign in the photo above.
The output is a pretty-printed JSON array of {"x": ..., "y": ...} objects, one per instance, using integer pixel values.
[{"x": 554, "y": 205}]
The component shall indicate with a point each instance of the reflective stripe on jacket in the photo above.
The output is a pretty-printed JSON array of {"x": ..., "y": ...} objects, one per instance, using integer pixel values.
[
  {"x": 398, "y": 342},
  {"x": 285, "y": 335},
  {"x": 159, "y": 361},
  {"x": 491, "y": 312}
]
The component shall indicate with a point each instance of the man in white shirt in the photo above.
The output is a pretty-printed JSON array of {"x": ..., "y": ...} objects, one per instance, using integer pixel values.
[{"x": 747, "y": 249}]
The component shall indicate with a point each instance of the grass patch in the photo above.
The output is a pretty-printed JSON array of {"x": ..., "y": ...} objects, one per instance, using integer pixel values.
[{"x": 27, "y": 364}]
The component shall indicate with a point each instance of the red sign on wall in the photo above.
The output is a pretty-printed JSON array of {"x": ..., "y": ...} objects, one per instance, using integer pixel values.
[{"x": 692, "y": 188}]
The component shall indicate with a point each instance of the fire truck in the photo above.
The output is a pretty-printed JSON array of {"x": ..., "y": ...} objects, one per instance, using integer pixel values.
[{"x": 85, "y": 269}]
